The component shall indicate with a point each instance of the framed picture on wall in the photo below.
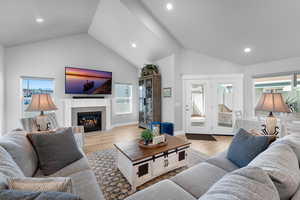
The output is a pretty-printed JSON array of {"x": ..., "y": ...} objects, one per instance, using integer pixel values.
[{"x": 167, "y": 92}]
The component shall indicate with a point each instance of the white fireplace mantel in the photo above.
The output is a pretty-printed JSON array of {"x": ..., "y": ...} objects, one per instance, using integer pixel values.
[{"x": 68, "y": 104}]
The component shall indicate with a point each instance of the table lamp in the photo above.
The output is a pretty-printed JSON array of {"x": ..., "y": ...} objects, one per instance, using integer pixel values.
[
  {"x": 272, "y": 102},
  {"x": 41, "y": 102}
]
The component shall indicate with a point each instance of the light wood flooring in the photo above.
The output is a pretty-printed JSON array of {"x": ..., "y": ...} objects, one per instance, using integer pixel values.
[{"x": 104, "y": 140}]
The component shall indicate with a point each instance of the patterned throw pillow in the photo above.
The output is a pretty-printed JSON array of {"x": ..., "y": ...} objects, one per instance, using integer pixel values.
[{"x": 55, "y": 184}]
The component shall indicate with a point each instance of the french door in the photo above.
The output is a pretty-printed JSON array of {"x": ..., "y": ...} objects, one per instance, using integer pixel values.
[{"x": 210, "y": 103}]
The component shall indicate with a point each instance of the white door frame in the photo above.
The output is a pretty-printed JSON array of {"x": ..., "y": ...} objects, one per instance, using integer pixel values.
[{"x": 239, "y": 94}]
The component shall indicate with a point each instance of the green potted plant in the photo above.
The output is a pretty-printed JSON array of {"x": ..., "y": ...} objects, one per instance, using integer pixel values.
[
  {"x": 149, "y": 69},
  {"x": 147, "y": 136}
]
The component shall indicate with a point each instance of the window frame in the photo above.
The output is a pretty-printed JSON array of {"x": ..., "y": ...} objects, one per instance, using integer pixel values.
[
  {"x": 32, "y": 78},
  {"x": 126, "y": 98}
]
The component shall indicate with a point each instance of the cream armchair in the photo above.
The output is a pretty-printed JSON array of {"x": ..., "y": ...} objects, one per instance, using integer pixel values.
[{"x": 30, "y": 125}]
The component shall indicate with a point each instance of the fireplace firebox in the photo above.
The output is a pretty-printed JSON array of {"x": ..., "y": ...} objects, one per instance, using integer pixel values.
[{"x": 91, "y": 121}]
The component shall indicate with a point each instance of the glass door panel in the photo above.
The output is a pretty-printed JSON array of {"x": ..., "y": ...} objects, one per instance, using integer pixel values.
[
  {"x": 196, "y": 107},
  {"x": 225, "y": 105},
  {"x": 197, "y": 115}
]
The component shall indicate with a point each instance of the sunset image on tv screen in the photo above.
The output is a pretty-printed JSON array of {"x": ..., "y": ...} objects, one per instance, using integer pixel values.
[{"x": 87, "y": 81}]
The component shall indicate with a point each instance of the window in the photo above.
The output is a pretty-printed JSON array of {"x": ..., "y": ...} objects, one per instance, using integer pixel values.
[
  {"x": 32, "y": 86},
  {"x": 288, "y": 85},
  {"x": 123, "y": 98}
]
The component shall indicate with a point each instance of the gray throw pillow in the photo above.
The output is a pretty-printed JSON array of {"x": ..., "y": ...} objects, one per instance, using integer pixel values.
[
  {"x": 55, "y": 184},
  {"x": 280, "y": 162},
  {"x": 245, "y": 147},
  {"x": 248, "y": 183},
  {"x": 26, "y": 195},
  {"x": 55, "y": 150}
]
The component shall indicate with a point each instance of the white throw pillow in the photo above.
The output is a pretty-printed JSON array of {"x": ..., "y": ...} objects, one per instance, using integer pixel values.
[
  {"x": 248, "y": 183},
  {"x": 280, "y": 162}
]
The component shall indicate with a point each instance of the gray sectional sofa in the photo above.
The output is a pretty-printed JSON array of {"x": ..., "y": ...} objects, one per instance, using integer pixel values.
[
  {"x": 18, "y": 159},
  {"x": 272, "y": 175}
]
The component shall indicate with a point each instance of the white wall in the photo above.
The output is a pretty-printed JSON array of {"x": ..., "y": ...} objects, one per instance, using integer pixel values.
[
  {"x": 167, "y": 70},
  {"x": 48, "y": 59},
  {"x": 280, "y": 66},
  {"x": 191, "y": 62},
  {"x": 1, "y": 89}
]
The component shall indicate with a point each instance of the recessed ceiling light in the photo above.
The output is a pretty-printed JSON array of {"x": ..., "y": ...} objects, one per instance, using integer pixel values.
[
  {"x": 247, "y": 50},
  {"x": 39, "y": 20},
  {"x": 169, "y": 6},
  {"x": 133, "y": 45}
]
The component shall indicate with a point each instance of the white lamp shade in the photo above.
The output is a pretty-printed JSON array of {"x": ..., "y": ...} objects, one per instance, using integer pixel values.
[
  {"x": 272, "y": 102},
  {"x": 41, "y": 102}
]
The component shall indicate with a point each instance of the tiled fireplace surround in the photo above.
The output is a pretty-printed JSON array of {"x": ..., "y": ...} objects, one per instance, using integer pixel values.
[{"x": 73, "y": 106}]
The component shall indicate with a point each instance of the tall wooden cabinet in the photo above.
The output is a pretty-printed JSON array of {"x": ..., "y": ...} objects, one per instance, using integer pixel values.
[{"x": 149, "y": 100}]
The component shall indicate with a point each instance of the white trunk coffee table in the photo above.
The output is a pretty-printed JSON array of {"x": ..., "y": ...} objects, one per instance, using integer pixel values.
[{"x": 140, "y": 165}]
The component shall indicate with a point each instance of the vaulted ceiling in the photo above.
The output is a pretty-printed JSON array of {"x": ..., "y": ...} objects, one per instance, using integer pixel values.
[
  {"x": 62, "y": 17},
  {"x": 218, "y": 28},
  {"x": 223, "y": 28}
]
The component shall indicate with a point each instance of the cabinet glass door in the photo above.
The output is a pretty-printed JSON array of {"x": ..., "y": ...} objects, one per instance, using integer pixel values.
[
  {"x": 142, "y": 95},
  {"x": 148, "y": 101}
]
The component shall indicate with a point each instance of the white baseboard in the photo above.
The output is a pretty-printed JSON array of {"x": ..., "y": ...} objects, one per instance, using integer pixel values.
[
  {"x": 124, "y": 124},
  {"x": 179, "y": 132}
]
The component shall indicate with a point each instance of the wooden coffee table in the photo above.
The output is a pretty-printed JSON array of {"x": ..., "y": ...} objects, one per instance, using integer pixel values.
[{"x": 140, "y": 165}]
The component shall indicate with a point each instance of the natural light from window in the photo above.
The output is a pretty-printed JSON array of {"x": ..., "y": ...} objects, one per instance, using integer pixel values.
[
  {"x": 32, "y": 86},
  {"x": 283, "y": 84},
  {"x": 123, "y": 98}
]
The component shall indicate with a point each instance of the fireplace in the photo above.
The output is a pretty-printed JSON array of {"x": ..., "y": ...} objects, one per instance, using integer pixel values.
[{"x": 90, "y": 120}]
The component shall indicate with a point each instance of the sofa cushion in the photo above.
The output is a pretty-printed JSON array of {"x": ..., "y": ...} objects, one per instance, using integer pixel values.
[
  {"x": 296, "y": 196},
  {"x": 247, "y": 183},
  {"x": 3, "y": 181},
  {"x": 164, "y": 190},
  {"x": 198, "y": 179},
  {"x": 8, "y": 168},
  {"x": 77, "y": 166},
  {"x": 21, "y": 150},
  {"x": 293, "y": 141},
  {"x": 221, "y": 161},
  {"x": 55, "y": 150},
  {"x": 26, "y": 195},
  {"x": 57, "y": 184},
  {"x": 281, "y": 164},
  {"x": 245, "y": 146},
  {"x": 85, "y": 185}
]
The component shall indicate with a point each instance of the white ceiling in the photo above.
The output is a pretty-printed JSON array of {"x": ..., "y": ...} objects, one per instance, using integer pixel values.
[
  {"x": 119, "y": 24},
  {"x": 223, "y": 28},
  {"x": 218, "y": 28},
  {"x": 62, "y": 17}
]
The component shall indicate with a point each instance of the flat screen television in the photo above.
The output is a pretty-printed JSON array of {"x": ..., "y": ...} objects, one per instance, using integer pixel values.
[{"x": 87, "y": 81}]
